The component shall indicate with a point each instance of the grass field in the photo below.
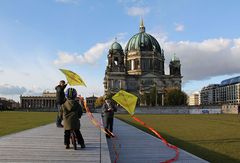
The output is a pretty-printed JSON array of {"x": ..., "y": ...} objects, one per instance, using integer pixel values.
[
  {"x": 215, "y": 138},
  {"x": 11, "y": 122}
]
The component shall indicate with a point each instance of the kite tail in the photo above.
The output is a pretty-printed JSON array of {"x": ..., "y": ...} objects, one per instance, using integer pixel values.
[
  {"x": 100, "y": 126},
  {"x": 160, "y": 137}
]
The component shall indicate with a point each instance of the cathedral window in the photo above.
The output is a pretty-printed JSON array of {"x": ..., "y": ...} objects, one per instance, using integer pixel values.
[
  {"x": 129, "y": 65},
  {"x": 115, "y": 61},
  {"x": 136, "y": 64},
  {"x": 132, "y": 64},
  {"x": 150, "y": 64},
  {"x": 145, "y": 64},
  {"x": 116, "y": 84}
]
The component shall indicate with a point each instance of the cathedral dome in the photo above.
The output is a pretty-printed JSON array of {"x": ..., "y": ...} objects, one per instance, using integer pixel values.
[
  {"x": 143, "y": 41},
  {"x": 116, "y": 46}
]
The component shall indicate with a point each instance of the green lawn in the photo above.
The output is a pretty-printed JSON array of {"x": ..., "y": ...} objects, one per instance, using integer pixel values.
[
  {"x": 11, "y": 122},
  {"x": 215, "y": 138}
]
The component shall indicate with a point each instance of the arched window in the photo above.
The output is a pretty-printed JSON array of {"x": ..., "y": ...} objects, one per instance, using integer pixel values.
[
  {"x": 116, "y": 84},
  {"x": 136, "y": 64},
  {"x": 115, "y": 61}
]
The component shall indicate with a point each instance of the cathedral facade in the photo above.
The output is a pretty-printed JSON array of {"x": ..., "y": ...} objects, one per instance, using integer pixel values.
[{"x": 139, "y": 69}]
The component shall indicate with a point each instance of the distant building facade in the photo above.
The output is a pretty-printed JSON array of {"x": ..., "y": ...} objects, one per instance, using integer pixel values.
[
  {"x": 140, "y": 69},
  {"x": 228, "y": 92},
  {"x": 46, "y": 101},
  {"x": 208, "y": 94},
  {"x": 91, "y": 102},
  {"x": 194, "y": 99}
]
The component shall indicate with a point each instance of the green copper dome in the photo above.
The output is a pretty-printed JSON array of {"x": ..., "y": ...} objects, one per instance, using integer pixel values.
[
  {"x": 116, "y": 46},
  {"x": 143, "y": 42}
]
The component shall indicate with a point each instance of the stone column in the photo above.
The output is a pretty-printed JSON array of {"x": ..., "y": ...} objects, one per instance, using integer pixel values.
[
  {"x": 156, "y": 102},
  {"x": 53, "y": 104},
  {"x": 162, "y": 99},
  {"x": 112, "y": 84},
  {"x": 107, "y": 84},
  {"x": 47, "y": 103},
  {"x": 132, "y": 64}
]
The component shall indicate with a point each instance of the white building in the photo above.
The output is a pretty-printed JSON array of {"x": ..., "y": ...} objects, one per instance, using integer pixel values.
[
  {"x": 194, "y": 99},
  {"x": 46, "y": 101}
]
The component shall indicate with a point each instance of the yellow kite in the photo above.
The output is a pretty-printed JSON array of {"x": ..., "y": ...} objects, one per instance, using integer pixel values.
[
  {"x": 73, "y": 78},
  {"x": 126, "y": 100}
]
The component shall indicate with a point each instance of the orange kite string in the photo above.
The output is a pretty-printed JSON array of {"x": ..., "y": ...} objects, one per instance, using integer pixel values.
[
  {"x": 160, "y": 137},
  {"x": 99, "y": 125}
]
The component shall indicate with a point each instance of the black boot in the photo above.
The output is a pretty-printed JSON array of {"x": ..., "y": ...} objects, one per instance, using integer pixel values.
[
  {"x": 67, "y": 146},
  {"x": 83, "y": 146}
]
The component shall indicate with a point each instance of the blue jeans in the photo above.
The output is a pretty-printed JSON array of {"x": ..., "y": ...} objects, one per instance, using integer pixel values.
[{"x": 58, "y": 120}]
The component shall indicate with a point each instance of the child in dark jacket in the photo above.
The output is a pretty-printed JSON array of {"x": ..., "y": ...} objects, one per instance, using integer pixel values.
[{"x": 70, "y": 112}]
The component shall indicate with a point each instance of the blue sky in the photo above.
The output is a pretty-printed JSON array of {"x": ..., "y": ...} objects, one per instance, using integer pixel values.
[{"x": 39, "y": 37}]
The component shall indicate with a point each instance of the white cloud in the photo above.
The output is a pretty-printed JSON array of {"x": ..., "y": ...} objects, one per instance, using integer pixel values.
[
  {"x": 89, "y": 57},
  {"x": 121, "y": 36},
  {"x": 65, "y": 58},
  {"x": 179, "y": 27},
  {"x": 203, "y": 62},
  {"x": 236, "y": 46},
  {"x": 12, "y": 90},
  {"x": 76, "y": 2},
  {"x": 135, "y": 7},
  {"x": 131, "y": 2},
  {"x": 1, "y": 70},
  {"x": 159, "y": 35},
  {"x": 205, "y": 59},
  {"x": 9, "y": 91},
  {"x": 138, "y": 11}
]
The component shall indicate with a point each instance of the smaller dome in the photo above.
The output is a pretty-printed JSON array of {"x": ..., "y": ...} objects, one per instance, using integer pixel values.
[{"x": 116, "y": 46}]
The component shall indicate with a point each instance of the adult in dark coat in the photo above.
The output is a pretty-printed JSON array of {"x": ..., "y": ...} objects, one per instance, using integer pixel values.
[
  {"x": 60, "y": 99},
  {"x": 71, "y": 112},
  {"x": 108, "y": 110}
]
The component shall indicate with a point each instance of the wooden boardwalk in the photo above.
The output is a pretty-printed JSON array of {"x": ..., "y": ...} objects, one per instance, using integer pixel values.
[
  {"x": 136, "y": 146},
  {"x": 45, "y": 144}
]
